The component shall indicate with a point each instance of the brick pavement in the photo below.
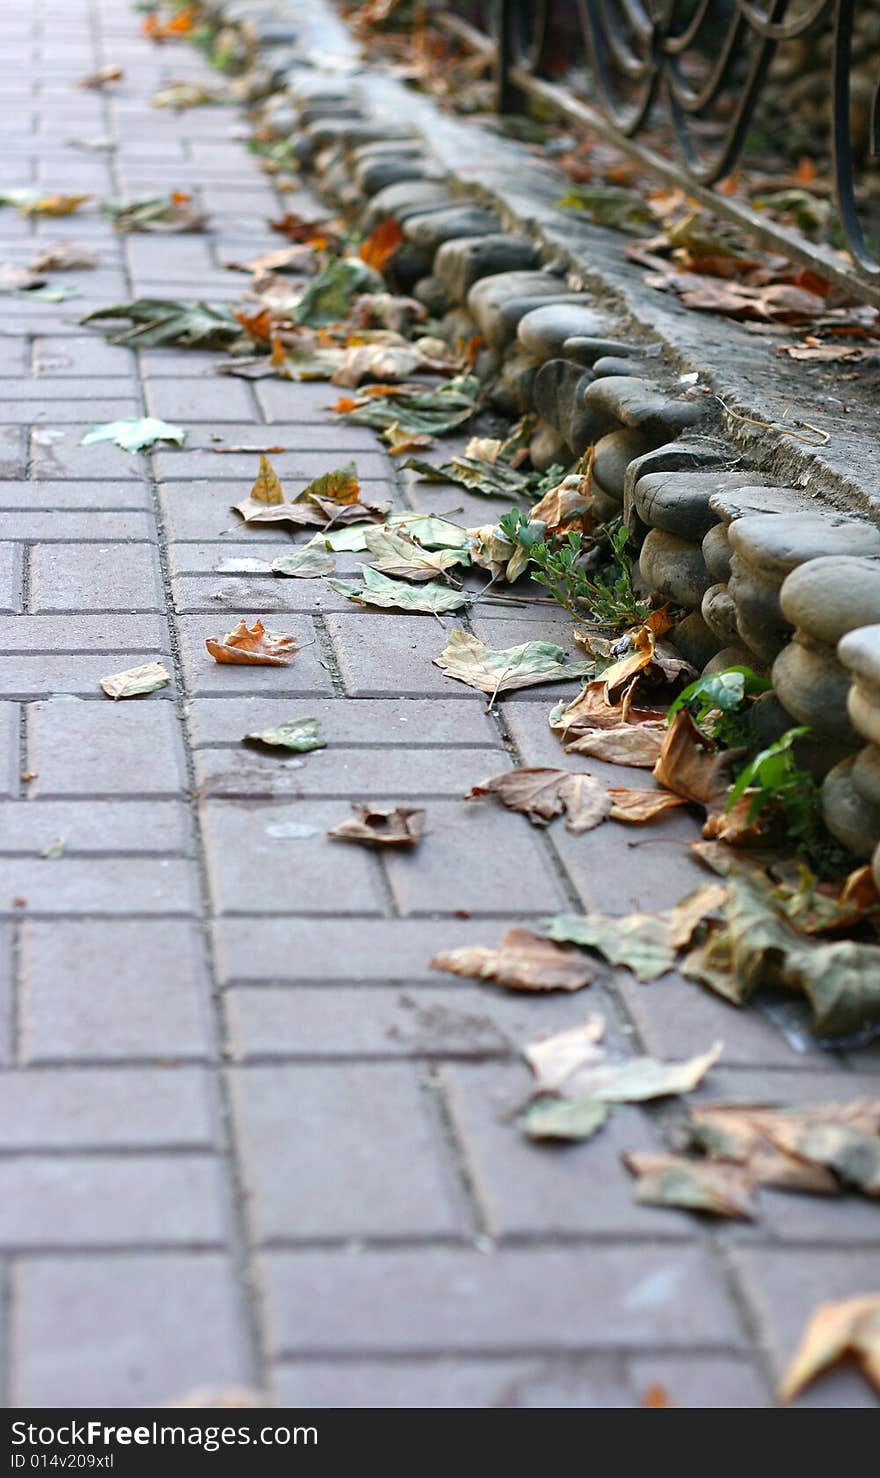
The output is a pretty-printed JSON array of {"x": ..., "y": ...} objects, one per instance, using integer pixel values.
[{"x": 246, "y": 1137}]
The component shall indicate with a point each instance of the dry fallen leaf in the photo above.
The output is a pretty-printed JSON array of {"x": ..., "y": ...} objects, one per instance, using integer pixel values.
[
  {"x": 253, "y": 646},
  {"x": 689, "y": 768},
  {"x": 634, "y": 1080},
  {"x": 376, "y": 826},
  {"x": 593, "y": 709},
  {"x": 99, "y": 79},
  {"x": 521, "y": 961},
  {"x": 468, "y": 660},
  {"x": 541, "y": 793},
  {"x": 640, "y": 806},
  {"x": 696, "y": 1185},
  {"x": 836, "y": 1330},
  {"x": 636, "y": 745},
  {"x": 63, "y": 256},
  {"x": 381, "y": 244},
  {"x": 136, "y": 682},
  {"x": 553, "y": 1059}
]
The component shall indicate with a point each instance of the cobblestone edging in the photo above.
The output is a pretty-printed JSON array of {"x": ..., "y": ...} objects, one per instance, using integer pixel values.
[{"x": 716, "y": 536}]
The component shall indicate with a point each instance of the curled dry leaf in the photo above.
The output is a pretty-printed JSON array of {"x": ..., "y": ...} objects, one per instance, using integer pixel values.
[
  {"x": 253, "y": 646},
  {"x": 640, "y": 806},
  {"x": 381, "y": 244},
  {"x": 695, "y": 1185},
  {"x": 521, "y": 961},
  {"x": 554, "y": 1059},
  {"x": 430, "y": 598},
  {"x": 540, "y": 794},
  {"x": 564, "y": 508},
  {"x": 689, "y": 768},
  {"x": 136, "y": 681},
  {"x": 468, "y": 660},
  {"x": 637, "y": 1079},
  {"x": 300, "y": 734},
  {"x": 836, "y": 1330},
  {"x": 63, "y": 256},
  {"x": 32, "y": 203},
  {"x": 397, "y": 826},
  {"x": 593, "y": 709},
  {"x": 312, "y": 562},
  {"x": 636, "y": 745},
  {"x": 556, "y": 1118},
  {"x": 99, "y": 79},
  {"x": 647, "y": 944},
  {"x": 401, "y": 556}
]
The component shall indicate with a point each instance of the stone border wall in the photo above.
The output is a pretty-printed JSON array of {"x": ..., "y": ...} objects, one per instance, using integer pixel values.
[{"x": 771, "y": 576}]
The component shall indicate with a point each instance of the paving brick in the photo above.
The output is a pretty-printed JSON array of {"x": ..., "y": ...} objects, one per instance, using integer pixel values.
[
  {"x": 87, "y": 827},
  {"x": 619, "y": 869},
  {"x": 62, "y": 412},
  {"x": 13, "y": 452},
  {"x": 382, "y": 652},
  {"x": 599, "y": 1382},
  {"x": 105, "y": 748},
  {"x": 63, "y": 497},
  {"x": 375, "y": 722},
  {"x": 209, "y": 558},
  {"x": 66, "y": 577},
  {"x": 385, "y": 951},
  {"x": 262, "y": 593},
  {"x": 86, "y": 355},
  {"x": 13, "y": 355},
  {"x": 97, "y": 1108},
  {"x": 57, "y": 451},
  {"x": 48, "y": 526},
  {"x": 296, "y": 466},
  {"x": 158, "y": 363},
  {"x": 257, "y": 869},
  {"x": 50, "y": 674},
  {"x": 10, "y": 577},
  {"x": 455, "y": 1019},
  {"x": 527, "y": 1189},
  {"x": 186, "y": 400},
  {"x": 395, "y": 774},
  {"x": 110, "y": 1200},
  {"x": 88, "y": 886},
  {"x": 304, "y": 400},
  {"x": 783, "y": 1292},
  {"x": 365, "y": 1156},
  {"x": 450, "y": 1299},
  {"x": 140, "y": 1330},
  {"x": 165, "y": 256},
  {"x": 304, "y": 676},
  {"x": 479, "y": 858},
  {"x": 80, "y": 633},
  {"x": 85, "y": 995},
  {"x": 74, "y": 387}
]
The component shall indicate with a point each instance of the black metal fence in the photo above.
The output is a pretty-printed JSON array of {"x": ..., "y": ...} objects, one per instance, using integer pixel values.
[{"x": 702, "y": 65}]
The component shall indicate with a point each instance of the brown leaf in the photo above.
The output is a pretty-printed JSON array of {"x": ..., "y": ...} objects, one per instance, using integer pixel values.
[
  {"x": 636, "y": 745},
  {"x": 398, "y": 826},
  {"x": 63, "y": 256},
  {"x": 696, "y": 1185},
  {"x": 253, "y": 646},
  {"x": 522, "y": 961},
  {"x": 381, "y": 244},
  {"x": 748, "y": 1134},
  {"x": 564, "y": 507},
  {"x": 593, "y": 709},
  {"x": 836, "y": 1330},
  {"x": 690, "y": 769},
  {"x": 542, "y": 793},
  {"x": 99, "y": 79},
  {"x": 640, "y": 806},
  {"x": 709, "y": 898}
]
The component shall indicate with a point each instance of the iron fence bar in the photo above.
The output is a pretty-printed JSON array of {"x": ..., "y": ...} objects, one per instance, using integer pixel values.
[{"x": 757, "y": 27}]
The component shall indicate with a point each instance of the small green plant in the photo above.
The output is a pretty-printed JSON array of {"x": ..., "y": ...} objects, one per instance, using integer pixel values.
[
  {"x": 720, "y": 705},
  {"x": 609, "y": 596},
  {"x": 787, "y": 794}
]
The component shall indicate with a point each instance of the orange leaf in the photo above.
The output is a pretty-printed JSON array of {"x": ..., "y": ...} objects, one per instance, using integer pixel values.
[
  {"x": 639, "y": 806},
  {"x": 253, "y": 646},
  {"x": 344, "y": 404},
  {"x": 381, "y": 244},
  {"x": 258, "y": 325}
]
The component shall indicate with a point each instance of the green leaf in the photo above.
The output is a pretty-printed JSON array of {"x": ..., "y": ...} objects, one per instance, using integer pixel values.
[
  {"x": 379, "y": 590},
  {"x": 299, "y": 734},
  {"x": 610, "y": 205},
  {"x": 416, "y": 410},
  {"x": 554, "y": 1118},
  {"x": 641, "y": 942},
  {"x": 768, "y": 767},
  {"x": 135, "y": 682},
  {"x": 401, "y": 557},
  {"x": 311, "y": 562},
  {"x": 328, "y": 296},
  {"x": 156, "y": 213},
  {"x": 468, "y": 660},
  {"x": 726, "y": 690},
  {"x": 133, "y": 434},
  {"x": 160, "y": 322}
]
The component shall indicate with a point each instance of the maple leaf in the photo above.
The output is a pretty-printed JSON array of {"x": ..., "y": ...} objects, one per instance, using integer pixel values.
[{"x": 253, "y": 646}]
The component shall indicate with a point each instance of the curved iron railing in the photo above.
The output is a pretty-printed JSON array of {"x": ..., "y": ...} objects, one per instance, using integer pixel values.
[{"x": 703, "y": 62}]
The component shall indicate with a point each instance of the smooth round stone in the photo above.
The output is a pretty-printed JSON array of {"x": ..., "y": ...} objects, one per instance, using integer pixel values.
[
  {"x": 852, "y": 820},
  {"x": 637, "y": 402},
  {"x": 674, "y": 568},
  {"x": 733, "y": 656},
  {"x": 373, "y": 175},
  {"x": 696, "y": 642},
  {"x": 814, "y": 687},
  {"x": 612, "y": 456},
  {"x": 547, "y": 447},
  {"x": 608, "y": 365},
  {"x": 461, "y": 262},
  {"x": 544, "y": 331},
  {"x": 759, "y": 620},
  {"x": 864, "y": 711},
  {"x": 511, "y": 393},
  {"x": 585, "y": 349},
  {"x": 498, "y": 302},
  {"x": 866, "y": 773},
  {"x": 350, "y": 131},
  {"x": 583, "y": 427},
  {"x": 679, "y": 501},
  {"x": 431, "y": 229},
  {"x": 777, "y": 542},
  {"x": 717, "y": 553},
  {"x": 602, "y": 507},
  {"x": 859, "y": 651},
  {"x": 406, "y": 267},
  {"x": 409, "y": 198},
  {"x": 752, "y": 497},
  {"x": 428, "y": 291},
  {"x": 555, "y": 391},
  {"x": 769, "y": 719},
  {"x": 719, "y": 613},
  {"x": 832, "y": 595}
]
